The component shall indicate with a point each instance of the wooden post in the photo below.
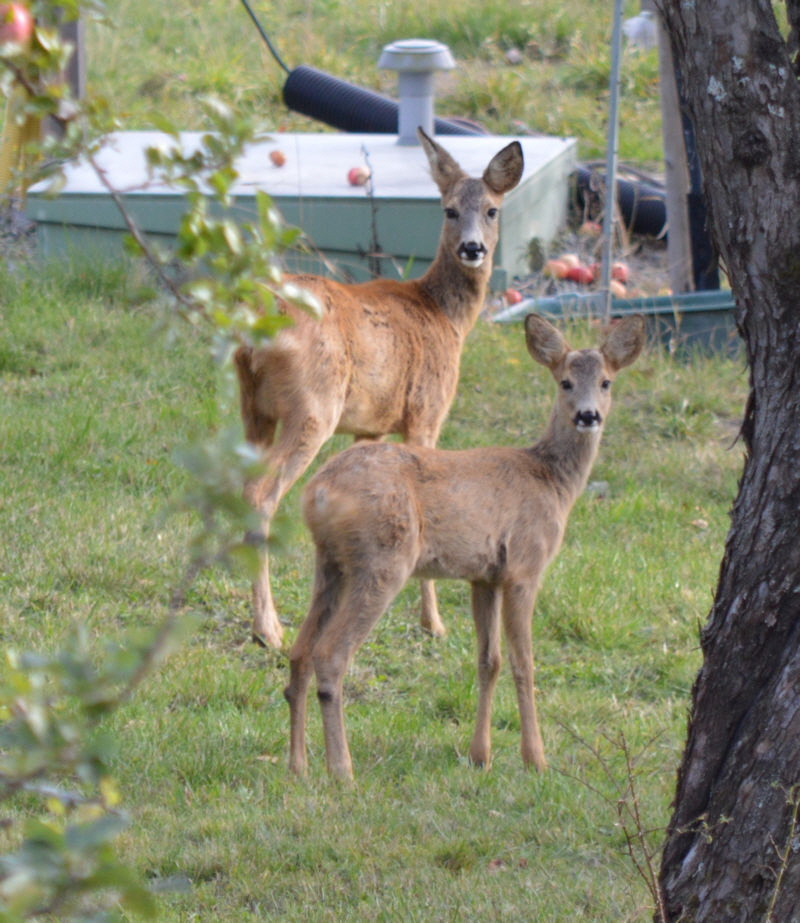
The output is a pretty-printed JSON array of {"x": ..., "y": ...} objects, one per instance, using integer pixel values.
[
  {"x": 74, "y": 33},
  {"x": 19, "y": 132},
  {"x": 679, "y": 246},
  {"x": 75, "y": 71}
]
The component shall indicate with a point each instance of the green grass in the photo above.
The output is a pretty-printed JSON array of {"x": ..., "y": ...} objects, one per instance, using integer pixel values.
[
  {"x": 94, "y": 403},
  {"x": 163, "y": 58}
]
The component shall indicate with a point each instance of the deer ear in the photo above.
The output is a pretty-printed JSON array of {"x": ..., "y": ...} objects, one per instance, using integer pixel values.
[
  {"x": 624, "y": 341},
  {"x": 545, "y": 342},
  {"x": 444, "y": 169},
  {"x": 505, "y": 169}
]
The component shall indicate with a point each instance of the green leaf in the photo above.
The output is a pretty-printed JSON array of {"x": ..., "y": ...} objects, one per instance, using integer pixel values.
[
  {"x": 232, "y": 236},
  {"x": 303, "y": 299},
  {"x": 89, "y": 836},
  {"x": 268, "y": 325},
  {"x": 162, "y": 123},
  {"x": 245, "y": 557}
]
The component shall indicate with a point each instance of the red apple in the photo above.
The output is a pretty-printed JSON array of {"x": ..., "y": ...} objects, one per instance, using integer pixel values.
[
  {"x": 580, "y": 274},
  {"x": 16, "y": 24},
  {"x": 512, "y": 296},
  {"x": 590, "y": 229},
  {"x": 619, "y": 271},
  {"x": 357, "y": 176},
  {"x": 555, "y": 269},
  {"x": 570, "y": 259},
  {"x": 277, "y": 157}
]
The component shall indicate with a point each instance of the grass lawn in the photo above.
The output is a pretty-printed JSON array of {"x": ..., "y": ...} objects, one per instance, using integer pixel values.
[
  {"x": 155, "y": 57},
  {"x": 95, "y": 401}
]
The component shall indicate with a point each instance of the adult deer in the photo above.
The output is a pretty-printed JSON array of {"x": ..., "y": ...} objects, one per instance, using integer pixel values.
[
  {"x": 382, "y": 513},
  {"x": 383, "y": 358}
]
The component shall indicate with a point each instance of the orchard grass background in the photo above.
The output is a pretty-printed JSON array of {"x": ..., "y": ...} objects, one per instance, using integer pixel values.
[
  {"x": 161, "y": 57},
  {"x": 95, "y": 401}
]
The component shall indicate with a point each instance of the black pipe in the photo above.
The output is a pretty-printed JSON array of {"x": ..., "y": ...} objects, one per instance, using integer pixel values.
[
  {"x": 348, "y": 107},
  {"x": 351, "y": 108},
  {"x": 642, "y": 207}
]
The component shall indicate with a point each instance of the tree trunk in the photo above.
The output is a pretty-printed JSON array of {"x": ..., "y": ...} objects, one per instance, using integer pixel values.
[{"x": 732, "y": 851}]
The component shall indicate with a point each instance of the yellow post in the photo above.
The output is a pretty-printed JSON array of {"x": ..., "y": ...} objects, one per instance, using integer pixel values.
[{"x": 19, "y": 131}]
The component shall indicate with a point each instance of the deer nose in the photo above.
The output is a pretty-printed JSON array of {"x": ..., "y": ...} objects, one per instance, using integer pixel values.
[
  {"x": 588, "y": 419},
  {"x": 472, "y": 251}
]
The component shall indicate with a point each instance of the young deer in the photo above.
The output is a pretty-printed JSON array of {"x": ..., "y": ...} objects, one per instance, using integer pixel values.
[
  {"x": 381, "y": 513},
  {"x": 383, "y": 358}
]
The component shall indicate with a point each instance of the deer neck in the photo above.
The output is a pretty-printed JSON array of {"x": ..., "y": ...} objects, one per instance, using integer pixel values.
[
  {"x": 458, "y": 291},
  {"x": 567, "y": 454}
]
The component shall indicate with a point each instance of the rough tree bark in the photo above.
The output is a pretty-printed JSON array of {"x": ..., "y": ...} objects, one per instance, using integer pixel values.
[{"x": 732, "y": 851}]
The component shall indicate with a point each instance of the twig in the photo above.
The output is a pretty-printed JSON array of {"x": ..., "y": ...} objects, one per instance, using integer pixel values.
[
  {"x": 628, "y": 810},
  {"x": 190, "y": 307},
  {"x": 792, "y": 798}
]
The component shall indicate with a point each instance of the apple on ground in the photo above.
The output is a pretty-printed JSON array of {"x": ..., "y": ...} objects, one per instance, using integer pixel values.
[
  {"x": 555, "y": 269},
  {"x": 620, "y": 272},
  {"x": 357, "y": 176},
  {"x": 581, "y": 274},
  {"x": 16, "y": 24}
]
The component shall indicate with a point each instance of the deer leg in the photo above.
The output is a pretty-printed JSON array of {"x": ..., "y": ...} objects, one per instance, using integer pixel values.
[
  {"x": 301, "y": 670},
  {"x": 301, "y": 664},
  {"x": 517, "y": 617},
  {"x": 266, "y": 629},
  {"x": 429, "y": 618},
  {"x": 486, "y": 615},
  {"x": 362, "y": 603},
  {"x": 296, "y": 447}
]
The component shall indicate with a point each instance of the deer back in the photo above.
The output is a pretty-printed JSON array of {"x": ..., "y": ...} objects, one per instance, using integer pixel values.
[
  {"x": 384, "y": 357},
  {"x": 475, "y": 514}
]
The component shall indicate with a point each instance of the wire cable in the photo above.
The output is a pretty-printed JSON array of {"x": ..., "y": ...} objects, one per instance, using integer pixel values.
[{"x": 264, "y": 36}]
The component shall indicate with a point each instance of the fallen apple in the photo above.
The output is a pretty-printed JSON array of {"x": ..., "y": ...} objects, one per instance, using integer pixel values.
[
  {"x": 617, "y": 288},
  {"x": 358, "y": 176},
  {"x": 512, "y": 296},
  {"x": 16, "y": 24},
  {"x": 620, "y": 272},
  {"x": 277, "y": 157},
  {"x": 590, "y": 229},
  {"x": 581, "y": 274},
  {"x": 571, "y": 259},
  {"x": 555, "y": 269}
]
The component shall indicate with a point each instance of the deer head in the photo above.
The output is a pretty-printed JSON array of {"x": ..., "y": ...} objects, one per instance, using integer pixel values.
[
  {"x": 471, "y": 206},
  {"x": 584, "y": 375}
]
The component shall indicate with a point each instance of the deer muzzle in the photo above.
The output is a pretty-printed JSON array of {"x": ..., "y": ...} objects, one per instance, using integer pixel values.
[
  {"x": 588, "y": 419},
  {"x": 472, "y": 253}
]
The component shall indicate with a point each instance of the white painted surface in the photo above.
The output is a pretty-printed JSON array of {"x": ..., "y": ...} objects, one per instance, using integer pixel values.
[{"x": 316, "y": 164}]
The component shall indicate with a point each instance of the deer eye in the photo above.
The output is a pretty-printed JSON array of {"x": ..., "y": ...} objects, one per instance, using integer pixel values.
[
  {"x": 606, "y": 384},
  {"x": 493, "y": 212},
  {"x": 451, "y": 213},
  {"x": 566, "y": 385}
]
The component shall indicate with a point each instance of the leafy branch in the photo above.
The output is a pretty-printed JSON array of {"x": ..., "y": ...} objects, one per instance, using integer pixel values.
[{"x": 224, "y": 272}]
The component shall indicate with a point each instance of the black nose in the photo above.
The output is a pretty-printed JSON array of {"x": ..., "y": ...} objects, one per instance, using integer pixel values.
[
  {"x": 588, "y": 418},
  {"x": 472, "y": 250}
]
